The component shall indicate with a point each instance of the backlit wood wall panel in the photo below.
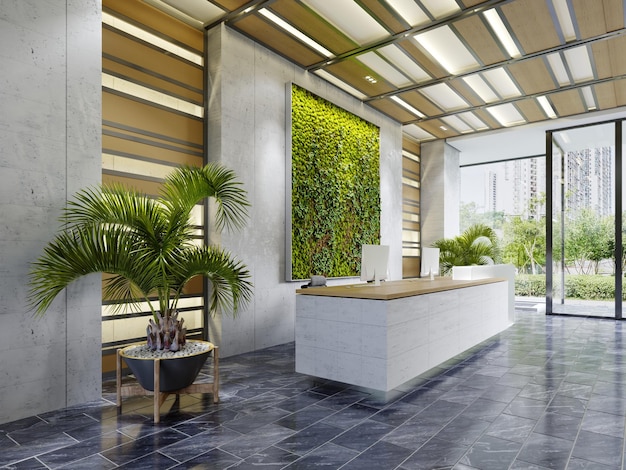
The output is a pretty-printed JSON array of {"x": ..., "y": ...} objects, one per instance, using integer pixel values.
[
  {"x": 152, "y": 121},
  {"x": 411, "y": 181}
]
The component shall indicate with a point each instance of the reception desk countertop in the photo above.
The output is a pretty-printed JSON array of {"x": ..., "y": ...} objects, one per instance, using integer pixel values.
[{"x": 389, "y": 290}]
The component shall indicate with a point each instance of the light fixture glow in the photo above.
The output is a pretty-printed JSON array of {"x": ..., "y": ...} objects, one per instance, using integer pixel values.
[
  {"x": 579, "y": 63},
  {"x": 558, "y": 68},
  {"x": 370, "y": 79},
  {"x": 506, "y": 114},
  {"x": 384, "y": 69},
  {"x": 496, "y": 23},
  {"x": 480, "y": 87},
  {"x": 546, "y": 106},
  {"x": 294, "y": 32},
  {"x": 589, "y": 100},
  {"x": 565, "y": 19},
  {"x": 339, "y": 84},
  {"x": 408, "y": 107},
  {"x": 151, "y": 38},
  {"x": 447, "y": 49},
  {"x": 410, "y": 11}
]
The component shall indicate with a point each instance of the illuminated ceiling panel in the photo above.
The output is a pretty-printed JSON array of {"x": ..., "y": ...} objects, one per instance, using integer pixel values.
[
  {"x": 579, "y": 63},
  {"x": 457, "y": 124},
  {"x": 558, "y": 68},
  {"x": 417, "y": 132},
  {"x": 409, "y": 11},
  {"x": 502, "y": 83},
  {"x": 411, "y": 60},
  {"x": 384, "y": 69},
  {"x": 444, "y": 97},
  {"x": 447, "y": 49},
  {"x": 349, "y": 17},
  {"x": 565, "y": 19},
  {"x": 506, "y": 114},
  {"x": 481, "y": 88},
  {"x": 440, "y": 8},
  {"x": 404, "y": 62},
  {"x": 473, "y": 121}
]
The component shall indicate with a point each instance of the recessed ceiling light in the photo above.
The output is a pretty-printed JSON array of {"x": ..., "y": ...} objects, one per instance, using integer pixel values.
[
  {"x": 443, "y": 128},
  {"x": 370, "y": 79}
]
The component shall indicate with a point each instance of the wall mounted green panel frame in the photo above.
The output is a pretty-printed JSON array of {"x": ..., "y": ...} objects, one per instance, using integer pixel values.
[{"x": 333, "y": 187}]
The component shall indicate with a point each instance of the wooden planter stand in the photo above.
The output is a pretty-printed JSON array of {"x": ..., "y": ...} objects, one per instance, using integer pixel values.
[{"x": 129, "y": 390}]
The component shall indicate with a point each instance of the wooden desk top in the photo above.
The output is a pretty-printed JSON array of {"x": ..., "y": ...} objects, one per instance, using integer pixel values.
[{"x": 389, "y": 290}]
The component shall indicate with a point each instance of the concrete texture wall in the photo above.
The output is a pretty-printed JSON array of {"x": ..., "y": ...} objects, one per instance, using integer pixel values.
[
  {"x": 440, "y": 191},
  {"x": 247, "y": 132},
  {"x": 50, "y": 146}
]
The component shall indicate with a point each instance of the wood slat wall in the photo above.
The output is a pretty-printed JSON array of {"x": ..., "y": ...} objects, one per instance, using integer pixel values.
[
  {"x": 147, "y": 126},
  {"x": 411, "y": 228}
]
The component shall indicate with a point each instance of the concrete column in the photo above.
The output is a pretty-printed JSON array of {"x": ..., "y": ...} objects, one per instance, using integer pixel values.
[
  {"x": 440, "y": 191},
  {"x": 50, "y": 146}
]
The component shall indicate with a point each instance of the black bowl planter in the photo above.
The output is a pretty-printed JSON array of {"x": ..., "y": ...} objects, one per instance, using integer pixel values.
[
  {"x": 162, "y": 376},
  {"x": 176, "y": 373}
]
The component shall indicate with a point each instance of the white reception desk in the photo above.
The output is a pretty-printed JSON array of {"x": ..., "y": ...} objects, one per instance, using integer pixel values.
[{"x": 380, "y": 337}]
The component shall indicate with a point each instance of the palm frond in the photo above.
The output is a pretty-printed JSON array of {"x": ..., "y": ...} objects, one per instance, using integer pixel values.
[
  {"x": 231, "y": 288},
  {"x": 146, "y": 244},
  {"x": 188, "y": 186},
  {"x": 85, "y": 250},
  {"x": 477, "y": 245}
]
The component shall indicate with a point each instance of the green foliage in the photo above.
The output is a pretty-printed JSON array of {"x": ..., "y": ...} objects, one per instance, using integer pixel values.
[
  {"x": 590, "y": 287},
  {"x": 589, "y": 239},
  {"x": 335, "y": 202},
  {"x": 469, "y": 216},
  {"x": 530, "y": 285},
  {"x": 525, "y": 244},
  {"x": 147, "y": 244},
  {"x": 587, "y": 287},
  {"x": 477, "y": 245}
]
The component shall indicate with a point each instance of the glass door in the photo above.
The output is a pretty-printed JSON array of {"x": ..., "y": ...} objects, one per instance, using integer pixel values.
[{"x": 583, "y": 275}]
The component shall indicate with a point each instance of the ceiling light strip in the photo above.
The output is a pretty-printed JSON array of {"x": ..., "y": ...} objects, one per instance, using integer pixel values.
[
  {"x": 295, "y": 32},
  {"x": 447, "y": 20},
  {"x": 534, "y": 55},
  {"x": 521, "y": 98},
  {"x": 501, "y": 31},
  {"x": 408, "y": 107},
  {"x": 546, "y": 106}
]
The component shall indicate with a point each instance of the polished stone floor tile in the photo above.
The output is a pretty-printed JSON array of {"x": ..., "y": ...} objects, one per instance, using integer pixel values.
[{"x": 548, "y": 393}]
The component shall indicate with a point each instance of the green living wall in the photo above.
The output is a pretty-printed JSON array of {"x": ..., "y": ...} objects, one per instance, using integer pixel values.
[{"x": 335, "y": 193}]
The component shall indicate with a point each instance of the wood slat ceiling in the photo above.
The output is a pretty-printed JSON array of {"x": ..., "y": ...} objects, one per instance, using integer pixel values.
[{"x": 551, "y": 53}]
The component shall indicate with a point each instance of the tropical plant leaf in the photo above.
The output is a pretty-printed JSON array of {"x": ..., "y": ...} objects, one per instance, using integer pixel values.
[{"x": 147, "y": 244}]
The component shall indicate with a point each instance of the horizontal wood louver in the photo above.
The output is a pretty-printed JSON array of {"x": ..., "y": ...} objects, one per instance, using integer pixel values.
[
  {"x": 152, "y": 121},
  {"x": 411, "y": 180}
]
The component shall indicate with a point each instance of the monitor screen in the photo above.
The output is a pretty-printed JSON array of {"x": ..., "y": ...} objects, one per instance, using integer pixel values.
[
  {"x": 430, "y": 262},
  {"x": 374, "y": 262}
]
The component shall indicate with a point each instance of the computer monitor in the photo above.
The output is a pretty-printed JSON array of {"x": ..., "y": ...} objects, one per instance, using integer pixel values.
[
  {"x": 430, "y": 262},
  {"x": 374, "y": 263}
]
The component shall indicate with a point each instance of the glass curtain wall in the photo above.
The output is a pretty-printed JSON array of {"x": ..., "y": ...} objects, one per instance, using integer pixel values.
[{"x": 584, "y": 252}]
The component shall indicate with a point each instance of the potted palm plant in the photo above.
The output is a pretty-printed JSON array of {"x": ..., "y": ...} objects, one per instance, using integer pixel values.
[
  {"x": 477, "y": 245},
  {"x": 147, "y": 245}
]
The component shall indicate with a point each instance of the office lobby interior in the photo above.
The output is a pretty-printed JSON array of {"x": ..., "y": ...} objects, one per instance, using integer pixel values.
[{"x": 121, "y": 91}]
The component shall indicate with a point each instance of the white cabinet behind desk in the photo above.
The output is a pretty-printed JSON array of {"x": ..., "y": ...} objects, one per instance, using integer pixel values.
[{"x": 381, "y": 344}]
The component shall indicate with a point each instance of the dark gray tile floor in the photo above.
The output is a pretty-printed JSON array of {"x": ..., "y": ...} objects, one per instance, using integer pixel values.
[{"x": 548, "y": 393}]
